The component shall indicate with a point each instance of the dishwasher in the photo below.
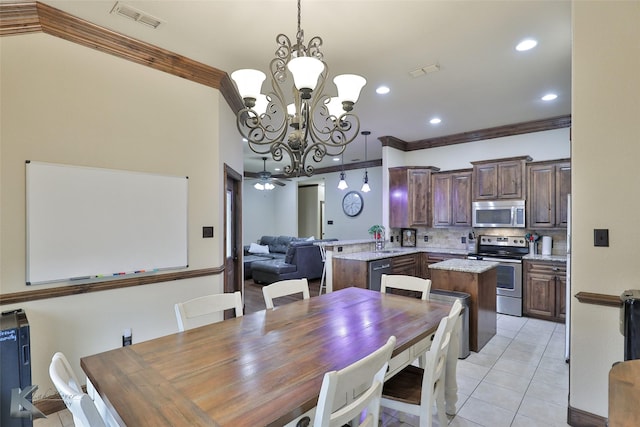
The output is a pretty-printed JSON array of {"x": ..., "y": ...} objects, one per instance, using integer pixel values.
[{"x": 376, "y": 270}]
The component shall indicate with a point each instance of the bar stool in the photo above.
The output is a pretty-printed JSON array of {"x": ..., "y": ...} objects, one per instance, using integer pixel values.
[{"x": 323, "y": 254}]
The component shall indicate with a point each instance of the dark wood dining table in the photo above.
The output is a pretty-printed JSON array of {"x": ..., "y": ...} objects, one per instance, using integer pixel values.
[{"x": 265, "y": 368}]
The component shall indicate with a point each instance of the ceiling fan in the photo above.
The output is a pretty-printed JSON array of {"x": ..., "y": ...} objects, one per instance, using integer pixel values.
[{"x": 266, "y": 181}]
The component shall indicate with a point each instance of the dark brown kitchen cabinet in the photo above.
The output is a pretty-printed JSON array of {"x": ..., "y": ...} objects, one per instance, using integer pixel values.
[
  {"x": 545, "y": 285},
  {"x": 549, "y": 185},
  {"x": 451, "y": 198},
  {"x": 354, "y": 272},
  {"x": 429, "y": 258},
  {"x": 410, "y": 196},
  {"x": 409, "y": 265},
  {"x": 500, "y": 179}
]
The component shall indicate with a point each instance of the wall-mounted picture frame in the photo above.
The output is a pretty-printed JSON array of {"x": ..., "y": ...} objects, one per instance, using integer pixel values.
[{"x": 408, "y": 237}]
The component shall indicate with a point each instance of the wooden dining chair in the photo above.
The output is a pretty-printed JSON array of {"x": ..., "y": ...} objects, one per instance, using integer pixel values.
[
  {"x": 346, "y": 393},
  {"x": 284, "y": 288},
  {"x": 207, "y": 309},
  {"x": 83, "y": 410},
  {"x": 407, "y": 283},
  {"x": 416, "y": 390}
]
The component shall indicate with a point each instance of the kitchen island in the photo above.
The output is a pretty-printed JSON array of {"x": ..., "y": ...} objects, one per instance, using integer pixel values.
[{"x": 478, "y": 279}]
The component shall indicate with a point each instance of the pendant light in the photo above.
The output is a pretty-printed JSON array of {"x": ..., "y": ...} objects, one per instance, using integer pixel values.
[
  {"x": 365, "y": 182},
  {"x": 342, "y": 185}
]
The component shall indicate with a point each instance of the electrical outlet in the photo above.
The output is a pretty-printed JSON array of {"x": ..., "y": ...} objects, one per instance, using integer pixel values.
[
  {"x": 390, "y": 239},
  {"x": 463, "y": 239},
  {"x": 127, "y": 338},
  {"x": 426, "y": 238}
]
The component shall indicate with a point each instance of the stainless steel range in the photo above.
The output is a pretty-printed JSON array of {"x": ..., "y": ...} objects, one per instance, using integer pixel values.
[{"x": 508, "y": 251}]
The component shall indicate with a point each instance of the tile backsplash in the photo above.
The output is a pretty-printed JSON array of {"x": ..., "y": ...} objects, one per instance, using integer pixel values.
[{"x": 452, "y": 238}]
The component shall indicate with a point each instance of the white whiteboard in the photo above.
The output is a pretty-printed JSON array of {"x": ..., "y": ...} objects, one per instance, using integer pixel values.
[{"x": 86, "y": 223}]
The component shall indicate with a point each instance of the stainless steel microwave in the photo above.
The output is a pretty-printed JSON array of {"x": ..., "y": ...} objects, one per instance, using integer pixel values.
[{"x": 499, "y": 213}]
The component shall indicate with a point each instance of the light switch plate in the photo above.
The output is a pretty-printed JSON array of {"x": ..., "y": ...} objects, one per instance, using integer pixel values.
[
  {"x": 601, "y": 237},
  {"x": 207, "y": 232}
]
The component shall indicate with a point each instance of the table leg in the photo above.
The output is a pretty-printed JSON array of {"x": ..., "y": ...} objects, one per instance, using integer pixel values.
[{"x": 451, "y": 384}]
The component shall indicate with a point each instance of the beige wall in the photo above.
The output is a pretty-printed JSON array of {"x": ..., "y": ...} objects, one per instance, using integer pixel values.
[
  {"x": 605, "y": 153},
  {"x": 64, "y": 103}
]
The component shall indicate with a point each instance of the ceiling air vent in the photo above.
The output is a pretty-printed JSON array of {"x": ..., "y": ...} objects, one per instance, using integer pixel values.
[
  {"x": 433, "y": 68},
  {"x": 135, "y": 14}
]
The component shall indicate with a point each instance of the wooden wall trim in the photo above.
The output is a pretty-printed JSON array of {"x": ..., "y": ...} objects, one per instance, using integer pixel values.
[
  {"x": 599, "y": 299},
  {"x": 393, "y": 142},
  {"x": 329, "y": 169},
  {"x": 478, "y": 135},
  {"x": 62, "y": 291},
  {"x": 580, "y": 418},
  {"x": 21, "y": 18}
]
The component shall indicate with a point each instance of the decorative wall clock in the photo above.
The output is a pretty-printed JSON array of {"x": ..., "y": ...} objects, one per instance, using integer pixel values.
[{"x": 352, "y": 203}]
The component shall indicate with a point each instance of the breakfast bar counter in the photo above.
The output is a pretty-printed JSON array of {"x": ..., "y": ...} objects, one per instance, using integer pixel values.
[{"x": 478, "y": 279}]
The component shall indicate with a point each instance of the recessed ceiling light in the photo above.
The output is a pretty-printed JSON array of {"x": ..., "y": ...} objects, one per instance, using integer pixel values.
[
  {"x": 526, "y": 44},
  {"x": 549, "y": 97},
  {"x": 435, "y": 121},
  {"x": 382, "y": 90}
]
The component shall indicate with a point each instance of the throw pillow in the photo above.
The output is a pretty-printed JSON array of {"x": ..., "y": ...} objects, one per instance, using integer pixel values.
[{"x": 258, "y": 249}]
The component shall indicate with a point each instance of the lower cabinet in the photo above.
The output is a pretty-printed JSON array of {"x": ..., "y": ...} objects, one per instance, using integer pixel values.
[
  {"x": 429, "y": 258},
  {"x": 545, "y": 284},
  {"x": 409, "y": 265}
]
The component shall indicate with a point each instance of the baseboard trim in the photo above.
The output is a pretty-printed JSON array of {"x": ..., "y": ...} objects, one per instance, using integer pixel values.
[{"x": 580, "y": 418}]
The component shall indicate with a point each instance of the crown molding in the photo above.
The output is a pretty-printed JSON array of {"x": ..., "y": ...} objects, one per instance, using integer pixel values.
[
  {"x": 31, "y": 17},
  {"x": 558, "y": 122}
]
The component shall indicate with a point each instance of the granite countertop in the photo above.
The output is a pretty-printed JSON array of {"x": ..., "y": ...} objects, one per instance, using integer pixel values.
[
  {"x": 538, "y": 257},
  {"x": 465, "y": 265},
  {"x": 372, "y": 256},
  {"x": 344, "y": 242},
  {"x": 395, "y": 251}
]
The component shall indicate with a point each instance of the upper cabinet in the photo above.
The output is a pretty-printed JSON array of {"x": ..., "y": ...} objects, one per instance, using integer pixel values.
[
  {"x": 410, "y": 196},
  {"x": 500, "y": 179},
  {"x": 549, "y": 186},
  {"x": 451, "y": 198}
]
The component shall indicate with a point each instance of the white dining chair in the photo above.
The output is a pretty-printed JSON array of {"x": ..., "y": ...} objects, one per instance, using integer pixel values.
[
  {"x": 346, "y": 393},
  {"x": 285, "y": 288},
  {"x": 417, "y": 390},
  {"x": 83, "y": 410},
  {"x": 323, "y": 255},
  {"x": 207, "y": 309},
  {"x": 408, "y": 283}
]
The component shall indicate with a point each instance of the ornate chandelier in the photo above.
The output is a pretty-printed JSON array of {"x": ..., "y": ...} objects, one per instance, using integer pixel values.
[{"x": 297, "y": 119}]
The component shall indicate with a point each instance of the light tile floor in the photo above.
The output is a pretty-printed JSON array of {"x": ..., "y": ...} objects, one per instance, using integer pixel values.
[{"x": 519, "y": 379}]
